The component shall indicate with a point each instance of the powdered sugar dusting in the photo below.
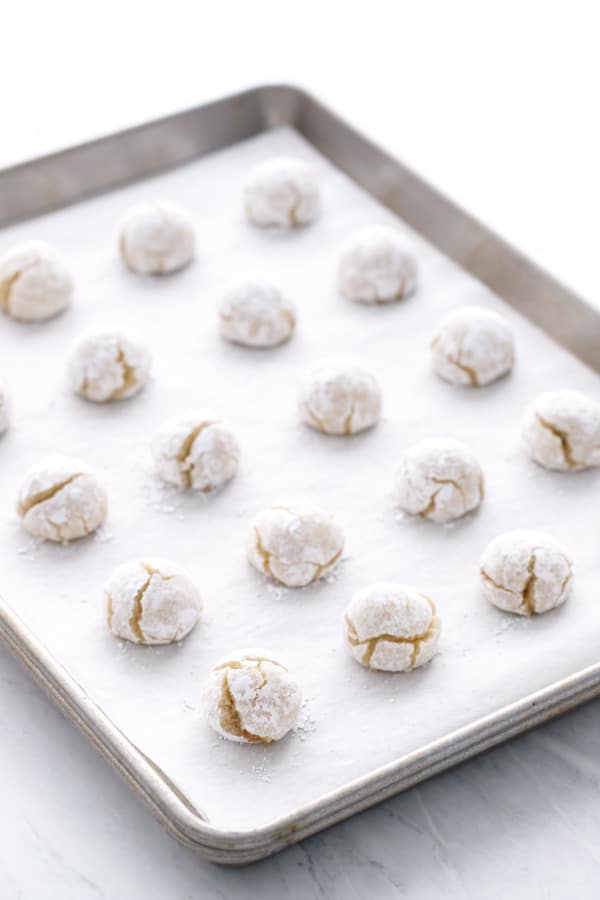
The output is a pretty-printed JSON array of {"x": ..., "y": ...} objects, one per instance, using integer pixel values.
[
  {"x": 440, "y": 480},
  {"x": 340, "y": 396},
  {"x": 472, "y": 346},
  {"x": 295, "y": 542}
]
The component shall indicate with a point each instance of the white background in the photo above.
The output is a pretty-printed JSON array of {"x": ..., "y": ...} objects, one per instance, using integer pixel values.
[{"x": 497, "y": 103}]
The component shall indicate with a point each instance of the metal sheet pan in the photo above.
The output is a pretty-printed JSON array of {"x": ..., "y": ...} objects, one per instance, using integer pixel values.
[{"x": 65, "y": 178}]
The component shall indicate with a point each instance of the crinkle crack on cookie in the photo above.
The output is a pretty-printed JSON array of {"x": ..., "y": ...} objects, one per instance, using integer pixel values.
[
  {"x": 392, "y": 627},
  {"x": 294, "y": 542},
  {"x": 526, "y": 572},
  {"x": 34, "y": 282},
  {"x": 108, "y": 364},
  {"x": 253, "y": 312},
  {"x": 251, "y": 697},
  {"x": 151, "y": 601},
  {"x": 340, "y": 396},
  {"x": 377, "y": 266},
  {"x": 440, "y": 480},
  {"x": 282, "y": 192},
  {"x": 61, "y": 500},
  {"x": 561, "y": 430},
  {"x": 472, "y": 346},
  {"x": 196, "y": 451},
  {"x": 156, "y": 239}
]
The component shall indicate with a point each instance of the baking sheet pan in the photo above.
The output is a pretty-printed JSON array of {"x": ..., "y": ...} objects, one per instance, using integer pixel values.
[{"x": 361, "y": 735}]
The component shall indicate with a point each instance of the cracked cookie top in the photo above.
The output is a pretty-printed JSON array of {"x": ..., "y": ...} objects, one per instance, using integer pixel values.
[
  {"x": 151, "y": 601},
  {"x": 526, "y": 572},
  {"x": 108, "y": 364},
  {"x": 339, "y": 396},
  {"x": 294, "y": 542},
  {"x": 196, "y": 451},
  {"x": 61, "y": 500},
  {"x": 561, "y": 430},
  {"x": 377, "y": 266},
  {"x": 34, "y": 282},
  {"x": 439, "y": 480},
  {"x": 156, "y": 239},
  {"x": 253, "y": 312},
  {"x": 251, "y": 697},
  {"x": 391, "y": 627},
  {"x": 472, "y": 346},
  {"x": 282, "y": 192}
]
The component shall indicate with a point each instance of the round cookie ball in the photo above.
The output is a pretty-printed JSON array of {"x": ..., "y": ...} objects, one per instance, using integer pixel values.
[
  {"x": 4, "y": 409},
  {"x": 526, "y": 572},
  {"x": 156, "y": 239},
  {"x": 251, "y": 698},
  {"x": 391, "y": 627},
  {"x": 151, "y": 601},
  {"x": 377, "y": 266},
  {"x": 472, "y": 346},
  {"x": 561, "y": 430},
  {"x": 196, "y": 451},
  {"x": 295, "y": 542},
  {"x": 61, "y": 500},
  {"x": 439, "y": 480},
  {"x": 254, "y": 313},
  {"x": 108, "y": 364},
  {"x": 339, "y": 396},
  {"x": 283, "y": 192},
  {"x": 34, "y": 283}
]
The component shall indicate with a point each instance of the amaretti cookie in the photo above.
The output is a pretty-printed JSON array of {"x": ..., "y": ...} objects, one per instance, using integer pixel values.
[
  {"x": 439, "y": 480},
  {"x": 151, "y": 601},
  {"x": 282, "y": 192},
  {"x": 472, "y": 346},
  {"x": 526, "y": 572},
  {"x": 254, "y": 312},
  {"x": 61, "y": 499},
  {"x": 156, "y": 239},
  {"x": 34, "y": 282},
  {"x": 340, "y": 396},
  {"x": 377, "y": 265},
  {"x": 295, "y": 542},
  {"x": 561, "y": 430},
  {"x": 196, "y": 451},
  {"x": 251, "y": 698},
  {"x": 392, "y": 627},
  {"x": 108, "y": 364}
]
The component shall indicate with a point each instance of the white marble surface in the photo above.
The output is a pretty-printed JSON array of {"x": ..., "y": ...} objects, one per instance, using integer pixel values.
[{"x": 493, "y": 102}]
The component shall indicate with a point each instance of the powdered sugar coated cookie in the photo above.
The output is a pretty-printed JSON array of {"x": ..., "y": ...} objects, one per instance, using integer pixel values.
[
  {"x": 377, "y": 266},
  {"x": 61, "y": 500},
  {"x": 440, "y": 480},
  {"x": 283, "y": 191},
  {"x": 108, "y": 364},
  {"x": 151, "y": 601},
  {"x": 295, "y": 542},
  {"x": 251, "y": 697},
  {"x": 526, "y": 572},
  {"x": 391, "y": 627},
  {"x": 472, "y": 346},
  {"x": 156, "y": 239},
  {"x": 340, "y": 396},
  {"x": 196, "y": 451},
  {"x": 34, "y": 282},
  {"x": 561, "y": 430}
]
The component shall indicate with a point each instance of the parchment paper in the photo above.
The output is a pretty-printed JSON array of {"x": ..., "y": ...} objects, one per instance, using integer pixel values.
[{"x": 353, "y": 720}]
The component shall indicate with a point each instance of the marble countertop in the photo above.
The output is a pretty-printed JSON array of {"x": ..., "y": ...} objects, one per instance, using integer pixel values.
[{"x": 472, "y": 96}]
